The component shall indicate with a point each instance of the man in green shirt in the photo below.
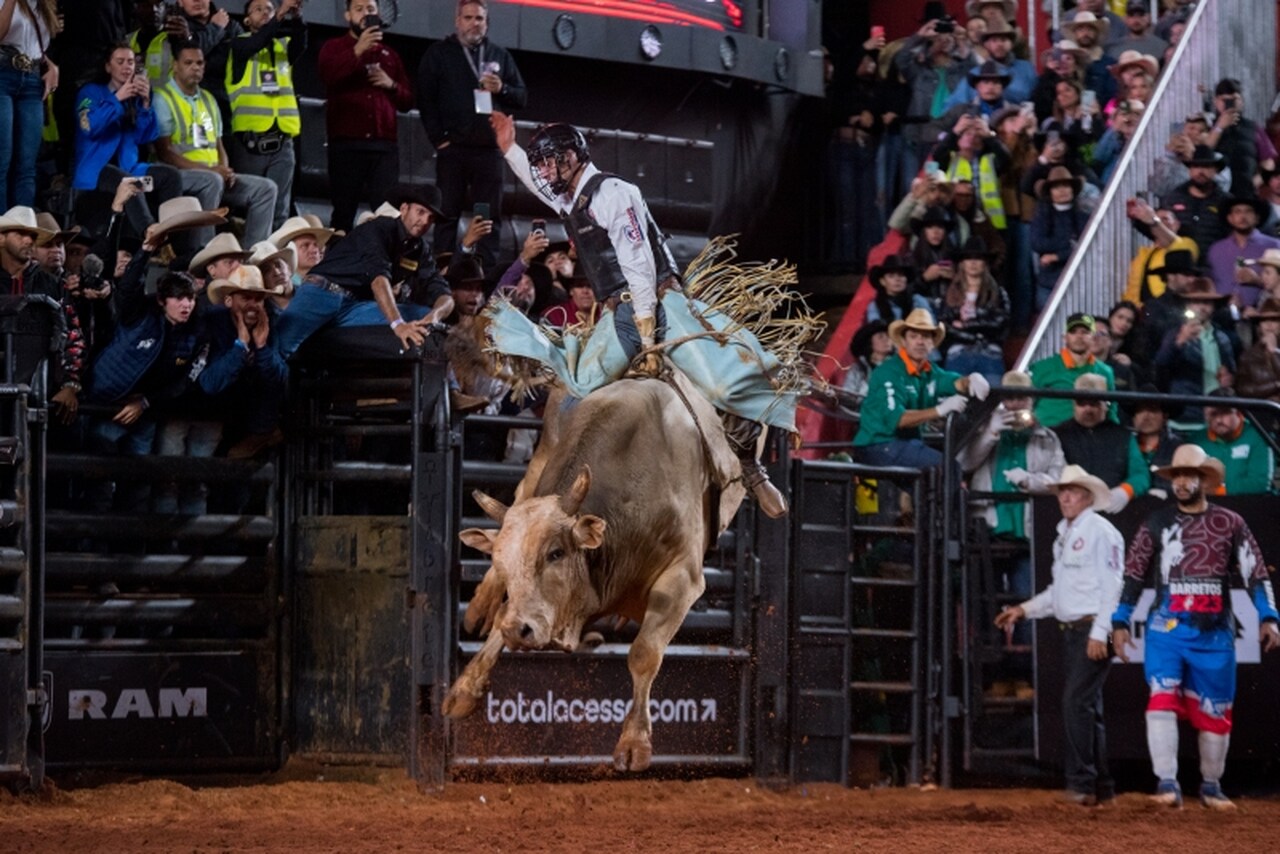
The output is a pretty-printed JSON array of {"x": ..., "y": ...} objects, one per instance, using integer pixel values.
[
  {"x": 905, "y": 391},
  {"x": 1229, "y": 438},
  {"x": 1060, "y": 371}
]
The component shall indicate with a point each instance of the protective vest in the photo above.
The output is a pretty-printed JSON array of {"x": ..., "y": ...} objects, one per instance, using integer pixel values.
[
  {"x": 263, "y": 97},
  {"x": 200, "y": 146},
  {"x": 159, "y": 58},
  {"x": 988, "y": 184},
  {"x": 596, "y": 254}
]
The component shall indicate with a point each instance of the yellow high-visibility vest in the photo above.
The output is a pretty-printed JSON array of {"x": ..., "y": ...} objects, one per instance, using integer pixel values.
[
  {"x": 158, "y": 57},
  {"x": 186, "y": 116},
  {"x": 988, "y": 184},
  {"x": 256, "y": 106}
]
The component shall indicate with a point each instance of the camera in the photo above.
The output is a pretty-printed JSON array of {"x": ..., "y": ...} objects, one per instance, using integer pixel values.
[{"x": 945, "y": 25}]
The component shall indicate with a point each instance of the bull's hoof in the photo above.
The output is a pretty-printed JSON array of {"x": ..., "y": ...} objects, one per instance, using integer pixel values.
[
  {"x": 632, "y": 754},
  {"x": 459, "y": 703}
]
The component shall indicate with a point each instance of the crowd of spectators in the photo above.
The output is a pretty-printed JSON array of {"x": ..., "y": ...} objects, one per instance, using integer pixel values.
[
  {"x": 147, "y": 190},
  {"x": 991, "y": 164}
]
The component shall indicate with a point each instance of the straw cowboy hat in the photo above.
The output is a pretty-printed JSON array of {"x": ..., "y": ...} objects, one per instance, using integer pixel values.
[
  {"x": 300, "y": 226},
  {"x": 1074, "y": 475},
  {"x": 1087, "y": 19},
  {"x": 1003, "y": 31},
  {"x": 183, "y": 212},
  {"x": 1131, "y": 58},
  {"x": 973, "y": 8},
  {"x": 243, "y": 279},
  {"x": 1193, "y": 458},
  {"x": 264, "y": 252},
  {"x": 223, "y": 246},
  {"x": 1270, "y": 258},
  {"x": 48, "y": 222},
  {"x": 23, "y": 218},
  {"x": 1068, "y": 46},
  {"x": 919, "y": 320}
]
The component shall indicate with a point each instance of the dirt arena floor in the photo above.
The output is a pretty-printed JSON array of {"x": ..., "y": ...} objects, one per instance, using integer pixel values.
[{"x": 322, "y": 810}]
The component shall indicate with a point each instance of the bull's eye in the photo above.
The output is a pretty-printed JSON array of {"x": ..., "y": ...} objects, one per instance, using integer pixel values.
[{"x": 555, "y": 555}]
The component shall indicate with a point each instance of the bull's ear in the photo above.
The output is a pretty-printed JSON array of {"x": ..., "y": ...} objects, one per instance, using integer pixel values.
[
  {"x": 572, "y": 500},
  {"x": 588, "y": 532},
  {"x": 492, "y": 507},
  {"x": 479, "y": 539}
]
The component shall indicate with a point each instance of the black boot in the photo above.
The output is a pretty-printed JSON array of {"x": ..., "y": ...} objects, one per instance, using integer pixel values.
[{"x": 742, "y": 435}]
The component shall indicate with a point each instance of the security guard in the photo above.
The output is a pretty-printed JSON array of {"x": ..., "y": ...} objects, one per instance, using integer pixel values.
[{"x": 264, "y": 107}]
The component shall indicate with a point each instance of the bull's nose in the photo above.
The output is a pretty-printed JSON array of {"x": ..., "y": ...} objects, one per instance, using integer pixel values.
[{"x": 526, "y": 632}]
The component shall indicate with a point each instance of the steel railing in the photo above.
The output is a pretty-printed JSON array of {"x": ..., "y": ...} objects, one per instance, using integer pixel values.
[{"x": 1224, "y": 38}]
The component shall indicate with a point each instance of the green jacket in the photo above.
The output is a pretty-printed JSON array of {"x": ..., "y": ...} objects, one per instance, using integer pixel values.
[
  {"x": 892, "y": 390},
  {"x": 1052, "y": 372},
  {"x": 1248, "y": 459}
]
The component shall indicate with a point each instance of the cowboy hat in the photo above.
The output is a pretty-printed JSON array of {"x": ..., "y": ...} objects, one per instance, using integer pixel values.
[
  {"x": 1016, "y": 379},
  {"x": 1268, "y": 309},
  {"x": 892, "y": 264},
  {"x": 466, "y": 272},
  {"x": 427, "y": 195},
  {"x": 974, "y": 247},
  {"x": 23, "y": 218},
  {"x": 1068, "y": 46},
  {"x": 1087, "y": 19},
  {"x": 1074, "y": 475},
  {"x": 1058, "y": 175},
  {"x": 182, "y": 212},
  {"x": 243, "y": 279},
  {"x": 1193, "y": 458},
  {"x": 264, "y": 252},
  {"x": 1203, "y": 155},
  {"x": 1130, "y": 58},
  {"x": 223, "y": 245},
  {"x": 1261, "y": 209},
  {"x": 1182, "y": 261},
  {"x": 1270, "y": 258},
  {"x": 921, "y": 321},
  {"x": 298, "y": 226},
  {"x": 933, "y": 215},
  {"x": 973, "y": 8},
  {"x": 1003, "y": 31},
  {"x": 1202, "y": 289},
  {"x": 989, "y": 70},
  {"x": 49, "y": 223}
]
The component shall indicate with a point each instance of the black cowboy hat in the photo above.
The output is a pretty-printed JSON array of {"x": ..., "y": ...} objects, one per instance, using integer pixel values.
[
  {"x": 933, "y": 215},
  {"x": 892, "y": 264},
  {"x": 974, "y": 247},
  {"x": 1260, "y": 208},
  {"x": 427, "y": 195},
  {"x": 1203, "y": 155},
  {"x": 860, "y": 346},
  {"x": 466, "y": 272},
  {"x": 989, "y": 70},
  {"x": 1177, "y": 261}
]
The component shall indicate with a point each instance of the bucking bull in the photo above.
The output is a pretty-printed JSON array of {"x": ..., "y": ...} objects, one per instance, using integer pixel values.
[{"x": 613, "y": 518}]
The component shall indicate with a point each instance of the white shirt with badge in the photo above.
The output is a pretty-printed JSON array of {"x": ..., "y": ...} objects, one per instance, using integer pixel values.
[
  {"x": 619, "y": 207},
  {"x": 1088, "y": 575}
]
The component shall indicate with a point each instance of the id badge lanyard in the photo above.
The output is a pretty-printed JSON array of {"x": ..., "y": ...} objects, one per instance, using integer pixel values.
[{"x": 483, "y": 97}]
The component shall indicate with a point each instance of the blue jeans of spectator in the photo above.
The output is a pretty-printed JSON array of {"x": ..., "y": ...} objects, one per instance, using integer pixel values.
[
  {"x": 313, "y": 308},
  {"x": 1018, "y": 275},
  {"x": 185, "y": 437},
  {"x": 255, "y": 196},
  {"x": 897, "y": 162},
  {"x": 965, "y": 362},
  {"x": 21, "y": 124},
  {"x": 110, "y": 438},
  {"x": 905, "y": 453}
]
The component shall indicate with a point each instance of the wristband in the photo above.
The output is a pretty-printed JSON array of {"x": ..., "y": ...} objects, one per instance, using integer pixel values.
[
  {"x": 72, "y": 385},
  {"x": 397, "y": 323}
]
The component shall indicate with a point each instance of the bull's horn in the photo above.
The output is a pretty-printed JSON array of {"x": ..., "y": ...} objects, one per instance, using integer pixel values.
[
  {"x": 492, "y": 507},
  {"x": 571, "y": 501}
]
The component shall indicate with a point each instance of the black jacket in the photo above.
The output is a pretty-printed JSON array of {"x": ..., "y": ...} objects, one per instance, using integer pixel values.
[
  {"x": 379, "y": 247},
  {"x": 445, "y": 88}
]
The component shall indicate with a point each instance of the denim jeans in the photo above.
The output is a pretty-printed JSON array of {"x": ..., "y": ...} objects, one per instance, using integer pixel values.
[
  {"x": 185, "y": 437},
  {"x": 313, "y": 308},
  {"x": 21, "y": 123},
  {"x": 255, "y": 196},
  {"x": 278, "y": 167},
  {"x": 110, "y": 438},
  {"x": 624, "y": 323}
]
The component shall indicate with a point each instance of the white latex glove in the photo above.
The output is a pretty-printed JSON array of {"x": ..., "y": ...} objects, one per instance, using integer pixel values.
[
  {"x": 978, "y": 386},
  {"x": 1119, "y": 500},
  {"x": 955, "y": 403},
  {"x": 1018, "y": 477}
]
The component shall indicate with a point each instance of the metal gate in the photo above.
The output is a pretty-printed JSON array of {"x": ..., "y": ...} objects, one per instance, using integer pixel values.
[{"x": 861, "y": 573}]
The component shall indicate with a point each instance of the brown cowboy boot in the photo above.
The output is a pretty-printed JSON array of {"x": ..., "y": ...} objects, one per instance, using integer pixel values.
[{"x": 742, "y": 435}]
